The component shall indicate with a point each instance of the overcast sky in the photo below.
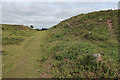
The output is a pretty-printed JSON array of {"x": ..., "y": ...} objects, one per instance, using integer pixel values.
[{"x": 47, "y": 14}]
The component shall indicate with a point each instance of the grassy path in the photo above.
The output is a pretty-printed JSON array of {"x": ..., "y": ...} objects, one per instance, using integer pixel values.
[{"x": 20, "y": 61}]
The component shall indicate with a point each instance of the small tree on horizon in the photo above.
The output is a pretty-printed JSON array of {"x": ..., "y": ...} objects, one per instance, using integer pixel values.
[{"x": 31, "y": 26}]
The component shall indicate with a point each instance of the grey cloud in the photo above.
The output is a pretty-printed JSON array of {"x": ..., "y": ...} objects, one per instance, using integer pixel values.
[{"x": 41, "y": 14}]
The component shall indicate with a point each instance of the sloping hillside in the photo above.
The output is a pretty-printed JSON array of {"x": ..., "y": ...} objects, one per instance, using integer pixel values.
[
  {"x": 98, "y": 26},
  {"x": 14, "y": 34},
  {"x": 73, "y": 44}
]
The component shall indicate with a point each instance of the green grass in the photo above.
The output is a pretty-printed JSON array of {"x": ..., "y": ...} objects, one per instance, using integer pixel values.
[
  {"x": 19, "y": 57},
  {"x": 21, "y": 60}
]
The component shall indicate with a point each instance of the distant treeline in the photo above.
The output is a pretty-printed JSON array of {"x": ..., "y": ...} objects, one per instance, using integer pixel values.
[{"x": 41, "y": 29}]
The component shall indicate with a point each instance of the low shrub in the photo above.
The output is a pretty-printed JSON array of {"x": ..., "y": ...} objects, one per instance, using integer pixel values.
[{"x": 44, "y": 59}]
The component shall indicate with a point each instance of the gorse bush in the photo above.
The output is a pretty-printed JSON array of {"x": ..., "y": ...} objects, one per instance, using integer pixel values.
[{"x": 44, "y": 59}]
